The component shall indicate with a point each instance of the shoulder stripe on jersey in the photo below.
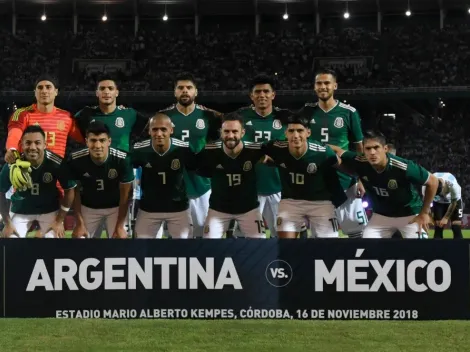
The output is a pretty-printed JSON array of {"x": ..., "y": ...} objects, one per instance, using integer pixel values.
[
  {"x": 310, "y": 144},
  {"x": 17, "y": 113},
  {"x": 312, "y": 105},
  {"x": 399, "y": 162},
  {"x": 80, "y": 153},
  {"x": 171, "y": 107},
  {"x": 361, "y": 159},
  {"x": 280, "y": 145},
  {"x": 322, "y": 150},
  {"x": 142, "y": 144},
  {"x": 179, "y": 142},
  {"x": 398, "y": 165},
  {"x": 347, "y": 107},
  {"x": 117, "y": 153},
  {"x": 53, "y": 157},
  {"x": 253, "y": 146},
  {"x": 281, "y": 142}
]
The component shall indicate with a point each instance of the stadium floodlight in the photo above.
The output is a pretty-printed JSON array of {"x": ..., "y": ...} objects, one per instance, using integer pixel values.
[
  {"x": 285, "y": 16},
  {"x": 469, "y": 10},
  {"x": 408, "y": 13},
  {"x": 165, "y": 17},
  {"x": 104, "y": 18},
  {"x": 43, "y": 17},
  {"x": 346, "y": 15}
]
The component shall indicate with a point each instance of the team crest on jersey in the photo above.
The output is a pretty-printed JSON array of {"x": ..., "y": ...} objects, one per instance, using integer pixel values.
[
  {"x": 112, "y": 173},
  {"x": 175, "y": 164},
  {"x": 392, "y": 184},
  {"x": 47, "y": 177},
  {"x": 119, "y": 122},
  {"x": 200, "y": 124},
  {"x": 247, "y": 166},
  {"x": 312, "y": 168},
  {"x": 339, "y": 122},
  {"x": 277, "y": 125},
  {"x": 61, "y": 125}
]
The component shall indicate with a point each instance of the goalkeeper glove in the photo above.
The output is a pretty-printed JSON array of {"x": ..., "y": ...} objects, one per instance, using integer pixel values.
[{"x": 20, "y": 174}]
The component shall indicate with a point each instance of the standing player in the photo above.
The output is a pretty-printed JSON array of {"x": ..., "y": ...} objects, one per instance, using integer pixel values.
[
  {"x": 195, "y": 124},
  {"x": 106, "y": 178},
  {"x": 391, "y": 185},
  {"x": 335, "y": 123},
  {"x": 305, "y": 168},
  {"x": 124, "y": 123},
  {"x": 264, "y": 122},
  {"x": 163, "y": 160},
  {"x": 231, "y": 163},
  {"x": 42, "y": 202},
  {"x": 57, "y": 124},
  {"x": 447, "y": 205}
]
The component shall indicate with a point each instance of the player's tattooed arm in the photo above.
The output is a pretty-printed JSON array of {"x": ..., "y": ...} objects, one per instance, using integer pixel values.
[{"x": 450, "y": 210}]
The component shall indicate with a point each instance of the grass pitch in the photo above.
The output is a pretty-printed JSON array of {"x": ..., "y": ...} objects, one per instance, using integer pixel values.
[{"x": 224, "y": 336}]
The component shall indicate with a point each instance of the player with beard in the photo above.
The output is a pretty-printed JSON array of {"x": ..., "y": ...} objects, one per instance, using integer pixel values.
[
  {"x": 197, "y": 125},
  {"x": 231, "y": 163},
  {"x": 124, "y": 124},
  {"x": 42, "y": 202},
  {"x": 335, "y": 123}
]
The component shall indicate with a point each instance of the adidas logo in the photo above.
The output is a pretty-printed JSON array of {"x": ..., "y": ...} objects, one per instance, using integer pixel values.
[
  {"x": 312, "y": 121},
  {"x": 283, "y": 165},
  {"x": 148, "y": 165},
  {"x": 219, "y": 167},
  {"x": 86, "y": 174},
  {"x": 249, "y": 123}
]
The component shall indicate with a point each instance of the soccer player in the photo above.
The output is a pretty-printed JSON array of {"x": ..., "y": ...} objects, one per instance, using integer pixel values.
[
  {"x": 447, "y": 205},
  {"x": 57, "y": 124},
  {"x": 335, "y": 123},
  {"x": 390, "y": 182},
  {"x": 305, "y": 169},
  {"x": 123, "y": 123},
  {"x": 196, "y": 125},
  {"x": 106, "y": 176},
  {"x": 231, "y": 163},
  {"x": 163, "y": 160},
  {"x": 264, "y": 122},
  {"x": 42, "y": 202},
  {"x": 392, "y": 149}
]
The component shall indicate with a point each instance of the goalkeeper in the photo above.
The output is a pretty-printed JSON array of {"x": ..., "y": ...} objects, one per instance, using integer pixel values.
[{"x": 36, "y": 197}]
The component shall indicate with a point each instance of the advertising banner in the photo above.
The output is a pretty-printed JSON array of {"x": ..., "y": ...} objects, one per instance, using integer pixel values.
[{"x": 236, "y": 279}]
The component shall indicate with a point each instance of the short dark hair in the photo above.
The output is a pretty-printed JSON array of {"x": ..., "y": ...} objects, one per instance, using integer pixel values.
[
  {"x": 262, "y": 79},
  {"x": 185, "y": 76},
  {"x": 233, "y": 116},
  {"x": 106, "y": 78},
  {"x": 97, "y": 127},
  {"x": 298, "y": 119},
  {"x": 326, "y": 71},
  {"x": 379, "y": 136},
  {"x": 391, "y": 146},
  {"x": 46, "y": 77},
  {"x": 34, "y": 129}
]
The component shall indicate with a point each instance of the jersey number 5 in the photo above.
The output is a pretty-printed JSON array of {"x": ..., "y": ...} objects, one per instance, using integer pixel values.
[{"x": 324, "y": 135}]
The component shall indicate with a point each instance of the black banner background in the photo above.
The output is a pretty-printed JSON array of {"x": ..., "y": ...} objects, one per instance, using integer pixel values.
[{"x": 251, "y": 259}]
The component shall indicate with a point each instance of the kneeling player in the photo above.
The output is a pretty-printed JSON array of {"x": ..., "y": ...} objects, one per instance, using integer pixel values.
[
  {"x": 231, "y": 163},
  {"x": 307, "y": 174},
  {"x": 163, "y": 160},
  {"x": 42, "y": 201},
  {"x": 391, "y": 182},
  {"x": 106, "y": 176},
  {"x": 447, "y": 205}
]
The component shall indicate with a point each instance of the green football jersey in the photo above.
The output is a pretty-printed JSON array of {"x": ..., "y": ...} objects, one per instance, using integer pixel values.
[
  {"x": 162, "y": 182},
  {"x": 233, "y": 179},
  {"x": 100, "y": 183},
  {"x": 392, "y": 192},
  {"x": 263, "y": 129},
  {"x": 43, "y": 197},
  {"x": 341, "y": 126},
  {"x": 123, "y": 123},
  {"x": 305, "y": 178},
  {"x": 197, "y": 128}
]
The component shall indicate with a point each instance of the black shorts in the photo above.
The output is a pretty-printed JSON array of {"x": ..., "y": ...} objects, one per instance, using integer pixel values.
[{"x": 440, "y": 209}]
